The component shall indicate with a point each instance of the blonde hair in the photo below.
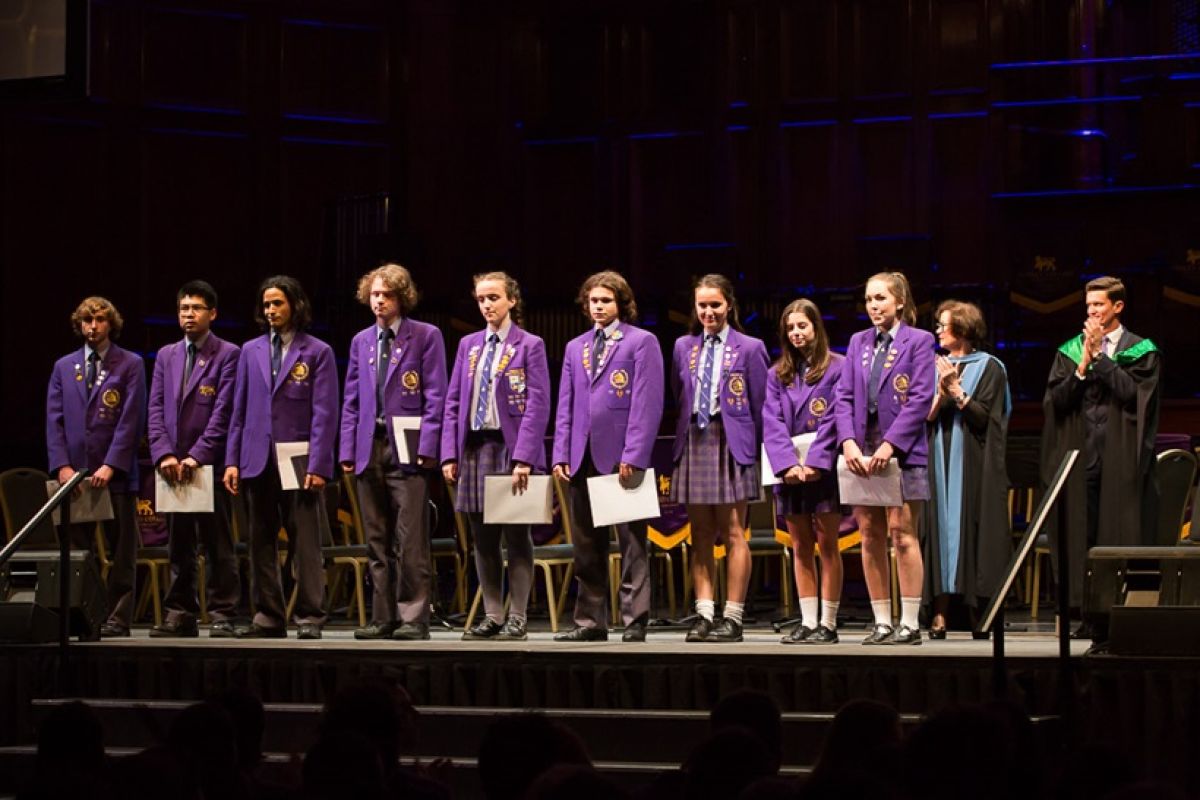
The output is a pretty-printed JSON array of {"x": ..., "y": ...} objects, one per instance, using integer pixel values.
[
  {"x": 96, "y": 306},
  {"x": 899, "y": 288}
]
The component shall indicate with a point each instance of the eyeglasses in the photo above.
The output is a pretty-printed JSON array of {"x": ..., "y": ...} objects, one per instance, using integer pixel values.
[
  {"x": 939, "y": 327},
  {"x": 187, "y": 309}
]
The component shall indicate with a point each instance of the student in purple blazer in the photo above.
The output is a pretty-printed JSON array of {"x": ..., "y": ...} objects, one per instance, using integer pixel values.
[
  {"x": 191, "y": 398},
  {"x": 719, "y": 378},
  {"x": 286, "y": 392},
  {"x": 800, "y": 393},
  {"x": 95, "y": 413},
  {"x": 610, "y": 403},
  {"x": 885, "y": 392},
  {"x": 493, "y": 423},
  {"x": 397, "y": 368}
]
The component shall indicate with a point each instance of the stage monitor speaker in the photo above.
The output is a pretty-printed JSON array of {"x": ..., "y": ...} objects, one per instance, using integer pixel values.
[
  {"x": 34, "y": 576},
  {"x": 27, "y": 623},
  {"x": 1144, "y": 600}
]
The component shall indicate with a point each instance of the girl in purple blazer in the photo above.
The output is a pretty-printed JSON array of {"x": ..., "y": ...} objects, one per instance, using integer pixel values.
[
  {"x": 883, "y": 396},
  {"x": 494, "y": 422},
  {"x": 719, "y": 378},
  {"x": 800, "y": 394}
]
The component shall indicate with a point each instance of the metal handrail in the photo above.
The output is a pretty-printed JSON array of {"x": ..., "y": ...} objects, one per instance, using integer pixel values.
[{"x": 14, "y": 544}]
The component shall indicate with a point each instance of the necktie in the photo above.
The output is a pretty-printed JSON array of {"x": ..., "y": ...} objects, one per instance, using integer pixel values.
[
  {"x": 485, "y": 384},
  {"x": 93, "y": 359},
  {"x": 704, "y": 408},
  {"x": 598, "y": 352},
  {"x": 885, "y": 340},
  {"x": 189, "y": 363},
  {"x": 381, "y": 368},
  {"x": 276, "y": 355}
]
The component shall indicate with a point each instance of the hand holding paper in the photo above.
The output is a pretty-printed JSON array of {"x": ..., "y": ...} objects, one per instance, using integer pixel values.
[
  {"x": 881, "y": 489},
  {"x": 615, "y": 501}
]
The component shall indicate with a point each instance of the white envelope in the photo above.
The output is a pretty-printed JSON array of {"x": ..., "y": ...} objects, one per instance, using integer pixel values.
[
  {"x": 877, "y": 490},
  {"x": 801, "y": 442},
  {"x": 195, "y": 497},
  {"x": 407, "y": 432},
  {"x": 502, "y": 507},
  {"x": 292, "y": 460},
  {"x": 613, "y": 504},
  {"x": 94, "y": 505}
]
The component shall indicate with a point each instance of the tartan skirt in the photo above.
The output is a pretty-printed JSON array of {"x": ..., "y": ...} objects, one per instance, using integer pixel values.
[
  {"x": 706, "y": 473},
  {"x": 914, "y": 481},
  {"x": 483, "y": 455}
]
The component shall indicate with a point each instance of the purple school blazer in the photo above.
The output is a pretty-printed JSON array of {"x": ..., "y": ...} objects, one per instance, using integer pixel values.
[
  {"x": 195, "y": 421},
  {"x": 89, "y": 430},
  {"x": 299, "y": 406},
  {"x": 618, "y": 411},
  {"x": 907, "y": 385},
  {"x": 742, "y": 391},
  {"x": 415, "y": 386},
  {"x": 521, "y": 386},
  {"x": 799, "y": 408}
]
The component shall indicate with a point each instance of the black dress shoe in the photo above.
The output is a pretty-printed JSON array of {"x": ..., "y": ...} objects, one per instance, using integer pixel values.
[
  {"x": 222, "y": 629},
  {"x": 799, "y": 634},
  {"x": 582, "y": 634},
  {"x": 726, "y": 630},
  {"x": 907, "y": 635},
  {"x": 412, "y": 632},
  {"x": 487, "y": 629},
  {"x": 513, "y": 630},
  {"x": 113, "y": 630},
  {"x": 823, "y": 635},
  {"x": 880, "y": 634},
  {"x": 937, "y": 633},
  {"x": 308, "y": 630},
  {"x": 185, "y": 628},
  {"x": 634, "y": 632},
  {"x": 700, "y": 630},
  {"x": 256, "y": 631},
  {"x": 376, "y": 630}
]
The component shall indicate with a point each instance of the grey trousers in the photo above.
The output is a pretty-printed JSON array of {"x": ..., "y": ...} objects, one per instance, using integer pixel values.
[
  {"x": 393, "y": 504},
  {"x": 489, "y": 565},
  {"x": 224, "y": 589}
]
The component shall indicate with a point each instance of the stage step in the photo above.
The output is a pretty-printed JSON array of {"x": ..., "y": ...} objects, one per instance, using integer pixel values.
[{"x": 455, "y": 732}]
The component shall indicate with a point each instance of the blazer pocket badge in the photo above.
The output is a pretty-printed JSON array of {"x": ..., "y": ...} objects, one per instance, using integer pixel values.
[
  {"x": 111, "y": 398},
  {"x": 410, "y": 380},
  {"x": 619, "y": 381},
  {"x": 299, "y": 372},
  {"x": 516, "y": 381}
]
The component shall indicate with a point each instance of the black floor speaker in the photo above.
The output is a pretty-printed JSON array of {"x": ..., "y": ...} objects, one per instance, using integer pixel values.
[
  {"x": 34, "y": 576},
  {"x": 22, "y": 622},
  {"x": 1154, "y": 631},
  {"x": 1144, "y": 600}
]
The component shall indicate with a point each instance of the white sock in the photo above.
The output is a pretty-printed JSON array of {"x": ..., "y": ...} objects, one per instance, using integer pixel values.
[
  {"x": 829, "y": 609},
  {"x": 910, "y": 610},
  {"x": 808, "y": 612},
  {"x": 706, "y": 609},
  {"x": 883, "y": 612},
  {"x": 733, "y": 611}
]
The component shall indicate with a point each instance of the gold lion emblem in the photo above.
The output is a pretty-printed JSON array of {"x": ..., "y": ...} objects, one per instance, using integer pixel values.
[
  {"x": 817, "y": 407},
  {"x": 411, "y": 380},
  {"x": 111, "y": 398},
  {"x": 300, "y": 371},
  {"x": 900, "y": 383},
  {"x": 737, "y": 385}
]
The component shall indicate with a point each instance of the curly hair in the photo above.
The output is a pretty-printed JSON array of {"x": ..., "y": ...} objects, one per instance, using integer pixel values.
[
  {"x": 96, "y": 306},
  {"x": 397, "y": 279}
]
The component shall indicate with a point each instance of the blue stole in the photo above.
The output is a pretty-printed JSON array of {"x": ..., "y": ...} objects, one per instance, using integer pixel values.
[{"x": 948, "y": 477}]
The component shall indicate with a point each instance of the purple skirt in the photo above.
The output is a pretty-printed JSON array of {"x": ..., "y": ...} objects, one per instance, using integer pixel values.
[
  {"x": 706, "y": 473},
  {"x": 817, "y": 497},
  {"x": 480, "y": 458},
  {"x": 914, "y": 481}
]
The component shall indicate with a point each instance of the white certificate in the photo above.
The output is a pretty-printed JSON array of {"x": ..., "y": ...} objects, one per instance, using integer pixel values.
[
  {"x": 193, "y": 497},
  {"x": 407, "y": 432},
  {"x": 94, "y": 505},
  {"x": 292, "y": 460},
  {"x": 613, "y": 504},
  {"x": 502, "y": 506},
  {"x": 877, "y": 490},
  {"x": 802, "y": 443}
]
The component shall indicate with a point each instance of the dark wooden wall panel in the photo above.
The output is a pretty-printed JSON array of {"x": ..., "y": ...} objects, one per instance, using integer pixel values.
[
  {"x": 959, "y": 210},
  {"x": 958, "y": 46},
  {"x": 883, "y": 48},
  {"x": 808, "y": 50},
  {"x": 884, "y": 178},
  {"x": 562, "y": 214},
  {"x": 195, "y": 58},
  {"x": 811, "y": 224},
  {"x": 334, "y": 69}
]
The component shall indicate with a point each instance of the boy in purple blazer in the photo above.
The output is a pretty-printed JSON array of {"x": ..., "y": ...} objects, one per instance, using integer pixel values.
[
  {"x": 191, "y": 398},
  {"x": 885, "y": 391},
  {"x": 610, "y": 403},
  {"x": 95, "y": 412},
  {"x": 494, "y": 422},
  {"x": 286, "y": 392},
  {"x": 719, "y": 376},
  {"x": 397, "y": 368}
]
